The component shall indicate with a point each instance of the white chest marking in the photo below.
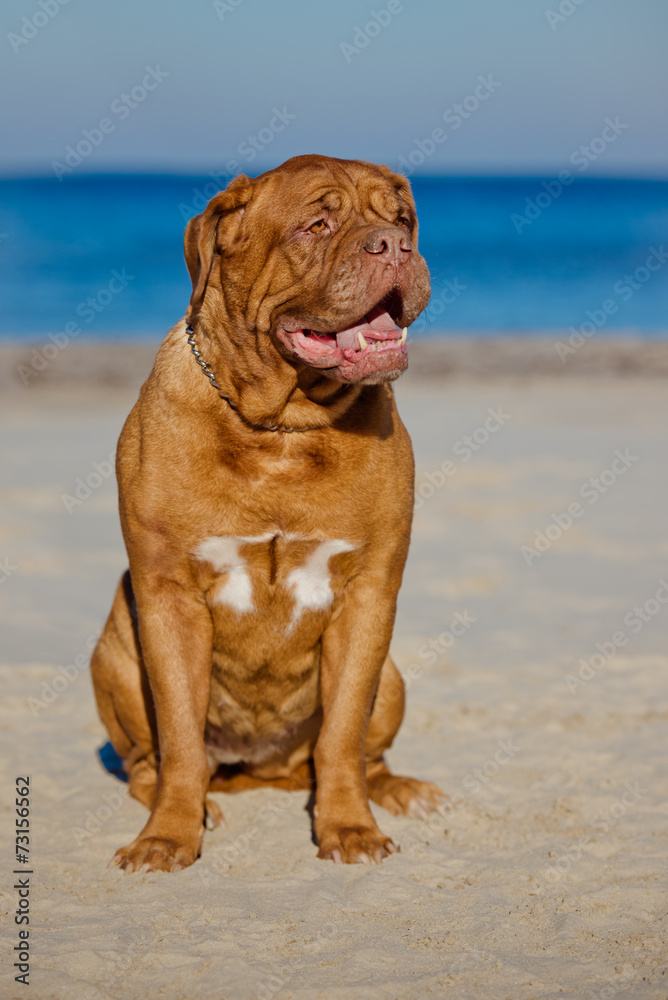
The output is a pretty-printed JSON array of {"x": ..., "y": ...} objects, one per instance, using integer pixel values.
[
  {"x": 223, "y": 554},
  {"x": 310, "y": 583}
]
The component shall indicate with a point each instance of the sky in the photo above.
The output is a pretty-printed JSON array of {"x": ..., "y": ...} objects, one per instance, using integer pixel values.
[{"x": 470, "y": 87}]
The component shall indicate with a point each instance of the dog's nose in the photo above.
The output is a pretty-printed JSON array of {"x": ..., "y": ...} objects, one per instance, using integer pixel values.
[{"x": 390, "y": 244}]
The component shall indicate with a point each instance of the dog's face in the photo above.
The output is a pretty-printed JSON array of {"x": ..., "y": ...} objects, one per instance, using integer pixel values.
[{"x": 320, "y": 256}]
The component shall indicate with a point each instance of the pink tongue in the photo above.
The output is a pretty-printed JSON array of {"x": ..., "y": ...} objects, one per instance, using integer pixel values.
[{"x": 382, "y": 322}]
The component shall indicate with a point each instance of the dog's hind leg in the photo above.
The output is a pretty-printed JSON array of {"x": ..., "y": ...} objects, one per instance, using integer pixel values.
[
  {"x": 125, "y": 703},
  {"x": 234, "y": 779},
  {"x": 399, "y": 795},
  {"x": 121, "y": 687}
]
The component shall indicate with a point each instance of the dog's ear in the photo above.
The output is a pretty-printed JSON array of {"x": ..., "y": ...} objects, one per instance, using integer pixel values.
[{"x": 214, "y": 230}]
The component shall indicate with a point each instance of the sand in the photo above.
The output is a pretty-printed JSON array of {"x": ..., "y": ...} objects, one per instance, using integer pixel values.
[{"x": 545, "y": 879}]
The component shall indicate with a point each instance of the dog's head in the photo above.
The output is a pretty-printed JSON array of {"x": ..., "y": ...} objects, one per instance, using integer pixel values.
[{"x": 317, "y": 259}]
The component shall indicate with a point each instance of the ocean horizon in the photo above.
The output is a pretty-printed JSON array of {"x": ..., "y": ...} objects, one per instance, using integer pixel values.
[{"x": 101, "y": 256}]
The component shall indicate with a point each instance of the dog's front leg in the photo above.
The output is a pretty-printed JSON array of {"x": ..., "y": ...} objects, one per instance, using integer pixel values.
[
  {"x": 175, "y": 632},
  {"x": 354, "y": 648}
]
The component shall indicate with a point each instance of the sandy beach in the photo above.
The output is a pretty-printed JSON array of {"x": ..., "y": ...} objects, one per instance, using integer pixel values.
[{"x": 532, "y": 632}]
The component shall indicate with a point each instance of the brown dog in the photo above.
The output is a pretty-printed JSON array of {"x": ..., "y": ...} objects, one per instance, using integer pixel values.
[{"x": 267, "y": 523}]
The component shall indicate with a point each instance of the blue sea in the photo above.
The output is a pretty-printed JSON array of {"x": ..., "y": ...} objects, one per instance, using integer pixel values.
[{"x": 104, "y": 254}]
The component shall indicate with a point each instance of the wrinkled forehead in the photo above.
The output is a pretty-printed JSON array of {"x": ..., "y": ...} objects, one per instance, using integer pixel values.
[{"x": 339, "y": 189}]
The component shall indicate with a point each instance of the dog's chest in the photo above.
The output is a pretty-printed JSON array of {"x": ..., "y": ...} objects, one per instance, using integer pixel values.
[{"x": 285, "y": 577}]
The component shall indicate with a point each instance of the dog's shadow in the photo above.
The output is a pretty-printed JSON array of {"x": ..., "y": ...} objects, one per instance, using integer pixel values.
[{"x": 310, "y": 809}]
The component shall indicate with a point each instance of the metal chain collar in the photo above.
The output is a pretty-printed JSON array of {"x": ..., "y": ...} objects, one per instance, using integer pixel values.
[{"x": 233, "y": 406}]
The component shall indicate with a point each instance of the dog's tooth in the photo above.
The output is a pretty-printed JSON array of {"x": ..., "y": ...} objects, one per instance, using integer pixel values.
[
  {"x": 362, "y": 341},
  {"x": 404, "y": 335}
]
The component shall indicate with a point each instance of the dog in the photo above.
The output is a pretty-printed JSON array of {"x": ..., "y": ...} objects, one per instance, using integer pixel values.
[{"x": 265, "y": 491}]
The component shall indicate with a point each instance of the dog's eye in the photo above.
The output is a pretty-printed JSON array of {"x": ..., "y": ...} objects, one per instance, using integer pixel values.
[
  {"x": 404, "y": 221},
  {"x": 318, "y": 227}
]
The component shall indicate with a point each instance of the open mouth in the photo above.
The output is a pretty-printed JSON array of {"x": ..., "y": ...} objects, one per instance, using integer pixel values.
[{"x": 372, "y": 344}]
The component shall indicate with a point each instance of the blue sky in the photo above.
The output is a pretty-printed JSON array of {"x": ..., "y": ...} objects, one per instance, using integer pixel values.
[{"x": 281, "y": 78}]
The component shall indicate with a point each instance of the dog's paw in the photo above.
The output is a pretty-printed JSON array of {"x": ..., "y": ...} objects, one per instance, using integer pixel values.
[
  {"x": 154, "y": 854},
  {"x": 407, "y": 796},
  {"x": 350, "y": 845}
]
